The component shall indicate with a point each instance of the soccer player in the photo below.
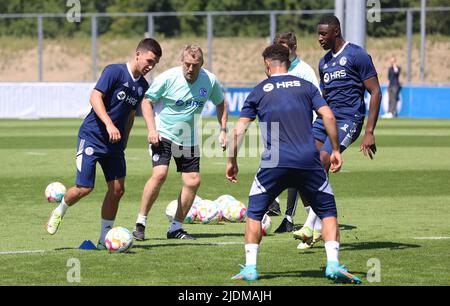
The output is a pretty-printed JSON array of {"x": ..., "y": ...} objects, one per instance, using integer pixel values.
[
  {"x": 283, "y": 105},
  {"x": 103, "y": 135},
  {"x": 178, "y": 97},
  {"x": 301, "y": 69},
  {"x": 346, "y": 71}
]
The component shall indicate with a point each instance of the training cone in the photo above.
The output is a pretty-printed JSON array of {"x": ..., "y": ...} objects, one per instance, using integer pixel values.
[{"x": 87, "y": 245}]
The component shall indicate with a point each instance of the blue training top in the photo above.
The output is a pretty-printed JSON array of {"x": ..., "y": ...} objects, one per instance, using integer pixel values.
[
  {"x": 284, "y": 104},
  {"x": 123, "y": 93},
  {"x": 342, "y": 77}
]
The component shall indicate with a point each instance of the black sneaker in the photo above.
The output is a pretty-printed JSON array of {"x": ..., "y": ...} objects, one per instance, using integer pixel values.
[
  {"x": 179, "y": 234},
  {"x": 285, "y": 227},
  {"x": 139, "y": 232},
  {"x": 274, "y": 209}
]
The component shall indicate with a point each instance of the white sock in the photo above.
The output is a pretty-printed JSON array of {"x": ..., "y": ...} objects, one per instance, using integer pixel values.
[
  {"x": 142, "y": 220},
  {"x": 251, "y": 254},
  {"x": 105, "y": 227},
  {"x": 311, "y": 219},
  {"x": 175, "y": 225},
  {"x": 289, "y": 218},
  {"x": 62, "y": 208},
  {"x": 318, "y": 225},
  {"x": 332, "y": 249}
]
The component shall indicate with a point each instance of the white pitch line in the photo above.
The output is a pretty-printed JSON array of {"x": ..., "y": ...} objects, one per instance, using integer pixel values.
[
  {"x": 431, "y": 238},
  {"x": 21, "y": 252},
  {"x": 225, "y": 243}
]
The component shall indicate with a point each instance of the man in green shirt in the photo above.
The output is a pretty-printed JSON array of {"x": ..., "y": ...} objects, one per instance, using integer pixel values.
[{"x": 171, "y": 108}]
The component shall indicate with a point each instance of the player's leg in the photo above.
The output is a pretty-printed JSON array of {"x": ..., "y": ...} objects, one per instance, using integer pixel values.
[
  {"x": 161, "y": 156},
  {"x": 308, "y": 231},
  {"x": 85, "y": 180},
  {"x": 189, "y": 166},
  {"x": 116, "y": 189},
  {"x": 114, "y": 170},
  {"x": 315, "y": 186},
  {"x": 287, "y": 225},
  {"x": 267, "y": 184}
]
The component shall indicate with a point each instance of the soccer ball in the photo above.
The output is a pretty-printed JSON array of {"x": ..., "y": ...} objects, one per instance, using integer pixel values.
[
  {"x": 171, "y": 210},
  {"x": 55, "y": 192},
  {"x": 235, "y": 211},
  {"x": 208, "y": 212},
  {"x": 118, "y": 239},
  {"x": 224, "y": 200},
  {"x": 266, "y": 225}
]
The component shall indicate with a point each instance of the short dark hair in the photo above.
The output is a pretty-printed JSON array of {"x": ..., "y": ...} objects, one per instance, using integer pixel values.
[
  {"x": 277, "y": 52},
  {"x": 330, "y": 20},
  {"x": 149, "y": 44},
  {"x": 287, "y": 38}
]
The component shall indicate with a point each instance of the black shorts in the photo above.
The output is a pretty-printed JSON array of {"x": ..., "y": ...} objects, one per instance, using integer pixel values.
[{"x": 186, "y": 158}]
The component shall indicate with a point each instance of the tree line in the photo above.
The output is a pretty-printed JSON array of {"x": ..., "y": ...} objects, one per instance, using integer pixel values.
[{"x": 392, "y": 24}]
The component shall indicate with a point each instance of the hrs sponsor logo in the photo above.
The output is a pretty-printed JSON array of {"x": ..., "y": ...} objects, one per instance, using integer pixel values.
[
  {"x": 339, "y": 74},
  {"x": 122, "y": 96},
  {"x": 188, "y": 104}
]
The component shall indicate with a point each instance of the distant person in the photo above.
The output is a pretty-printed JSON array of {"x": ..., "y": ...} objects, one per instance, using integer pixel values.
[
  {"x": 178, "y": 95},
  {"x": 346, "y": 72},
  {"x": 285, "y": 103},
  {"x": 103, "y": 135},
  {"x": 301, "y": 69},
  {"x": 393, "y": 88}
]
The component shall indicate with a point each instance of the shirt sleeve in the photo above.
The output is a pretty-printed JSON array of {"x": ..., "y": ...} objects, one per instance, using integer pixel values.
[
  {"x": 108, "y": 79},
  {"x": 216, "y": 93},
  {"x": 364, "y": 66},
  {"x": 317, "y": 100},
  {"x": 157, "y": 89},
  {"x": 249, "y": 109}
]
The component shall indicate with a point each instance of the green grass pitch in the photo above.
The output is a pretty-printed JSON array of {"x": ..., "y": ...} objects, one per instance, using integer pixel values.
[{"x": 395, "y": 208}]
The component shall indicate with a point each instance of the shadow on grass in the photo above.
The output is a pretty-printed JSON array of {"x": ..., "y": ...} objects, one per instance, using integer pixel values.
[
  {"x": 307, "y": 273},
  {"x": 378, "y": 245}
]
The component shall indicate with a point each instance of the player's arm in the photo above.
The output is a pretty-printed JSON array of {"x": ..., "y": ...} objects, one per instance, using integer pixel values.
[
  {"x": 222, "y": 117},
  {"x": 128, "y": 126},
  {"x": 149, "y": 118},
  {"x": 98, "y": 106},
  {"x": 368, "y": 146},
  {"x": 329, "y": 121},
  {"x": 236, "y": 141}
]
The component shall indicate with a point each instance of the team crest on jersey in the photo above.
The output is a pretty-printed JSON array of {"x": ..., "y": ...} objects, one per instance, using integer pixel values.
[
  {"x": 121, "y": 95},
  {"x": 325, "y": 66},
  {"x": 343, "y": 61},
  {"x": 89, "y": 151},
  {"x": 268, "y": 87},
  {"x": 140, "y": 90},
  {"x": 203, "y": 92}
]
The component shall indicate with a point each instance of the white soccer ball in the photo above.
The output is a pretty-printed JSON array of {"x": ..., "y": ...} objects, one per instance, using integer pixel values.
[
  {"x": 266, "y": 225},
  {"x": 54, "y": 192},
  {"x": 235, "y": 211},
  {"x": 171, "y": 210},
  {"x": 224, "y": 200},
  {"x": 208, "y": 212},
  {"x": 118, "y": 239}
]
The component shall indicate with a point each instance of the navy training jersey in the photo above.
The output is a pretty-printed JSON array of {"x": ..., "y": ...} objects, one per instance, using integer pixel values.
[
  {"x": 342, "y": 77},
  {"x": 284, "y": 104},
  {"x": 123, "y": 94}
]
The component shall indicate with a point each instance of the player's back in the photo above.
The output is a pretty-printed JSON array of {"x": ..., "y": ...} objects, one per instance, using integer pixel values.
[
  {"x": 342, "y": 77},
  {"x": 283, "y": 105}
]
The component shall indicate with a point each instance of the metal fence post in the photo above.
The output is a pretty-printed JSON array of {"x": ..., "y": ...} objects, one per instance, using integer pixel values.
[
  {"x": 150, "y": 25},
  {"x": 94, "y": 47},
  {"x": 423, "y": 25},
  {"x": 40, "y": 48},
  {"x": 409, "y": 35},
  {"x": 273, "y": 26},
  {"x": 210, "y": 22}
]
